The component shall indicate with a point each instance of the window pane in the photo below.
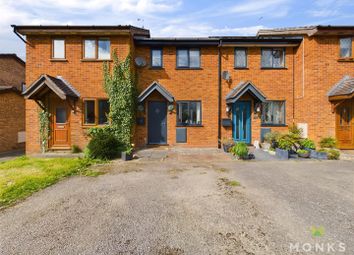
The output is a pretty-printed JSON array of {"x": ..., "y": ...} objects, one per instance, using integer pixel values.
[
  {"x": 278, "y": 57},
  {"x": 104, "y": 47},
  {"x": 194, "y": 58},
  {"x": 103, "y": 110},
  {"x": 182, "y": 58},
  {"x": 182, "y": 113},
  {"x": 60, "y": 115},
  {"x": 345, "y": 47},
  {"x": 273, "y": 112},
  {"x": 266, "y": 58},
  {"x": 240, "y": 58},
  {"x": 90, "y": 49},
  {"x": 59, "y": 48},
  {"x": 156, "y": 58},
  {"x": 89, "y": 112}
]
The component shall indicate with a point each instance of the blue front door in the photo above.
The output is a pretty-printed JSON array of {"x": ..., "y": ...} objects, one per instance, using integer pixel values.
[
  {"x": 242, "y": 121},
  {"x": 157, "y": 122}
]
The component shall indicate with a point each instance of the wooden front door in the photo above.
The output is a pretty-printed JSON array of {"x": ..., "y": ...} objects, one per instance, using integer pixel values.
[
  {"x": 60, "y": 138},
  {"x": 345, "y": 124}
]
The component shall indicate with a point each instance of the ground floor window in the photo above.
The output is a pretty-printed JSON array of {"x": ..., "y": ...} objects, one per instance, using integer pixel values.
[
  {"x": 189, "y": 113},
  {"x": 273, "y": 113},
  {"x": 96, "y": 111}
]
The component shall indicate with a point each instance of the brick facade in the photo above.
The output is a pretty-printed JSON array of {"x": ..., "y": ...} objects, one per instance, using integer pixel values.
[
  {"x": 311, "y": 69},
  {"x": 12, "y": 104}
]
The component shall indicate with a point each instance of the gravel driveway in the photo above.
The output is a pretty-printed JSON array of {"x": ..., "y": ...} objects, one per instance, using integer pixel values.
[{"x": 184, "y": 202}]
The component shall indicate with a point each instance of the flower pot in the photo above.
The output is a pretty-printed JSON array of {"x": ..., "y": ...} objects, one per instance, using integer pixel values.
[
  {"x": 313, "y": 154},
  {"x": 227, "y": 147},
  {"x": 282, "y": 154},
  {"x": 322, "y": 155},
  {"x": 127, "y": 156},
  {"x": 304, "y": 155}
]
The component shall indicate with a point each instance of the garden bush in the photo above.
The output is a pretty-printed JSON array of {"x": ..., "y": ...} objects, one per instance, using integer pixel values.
[
  {"x": 333, "y": 154},
  {"x": 272, "y": 138},
  {"x": 307, "y": 143},
  {"x": 103, "y": 145},
  {"x": 285, "y": 142},
  {"x": 328, "y": 142},
  {"x": 240, "y": 150}
]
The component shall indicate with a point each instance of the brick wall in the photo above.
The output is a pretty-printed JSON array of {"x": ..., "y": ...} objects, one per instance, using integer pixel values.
[{"x": 12, "y": 120}]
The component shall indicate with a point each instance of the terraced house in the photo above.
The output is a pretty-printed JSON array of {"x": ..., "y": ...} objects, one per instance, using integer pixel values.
[{"x": 193, "y": 91}]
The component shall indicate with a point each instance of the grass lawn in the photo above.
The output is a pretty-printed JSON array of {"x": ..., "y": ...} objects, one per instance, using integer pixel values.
[{"x": 20, "y": 177}]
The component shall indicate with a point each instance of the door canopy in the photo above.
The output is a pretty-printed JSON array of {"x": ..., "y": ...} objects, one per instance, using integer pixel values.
[
  {"x": 46, "y": 83},
  {"x": 344, "y": 89},
  {"x": 241, "y": 89},
  {"x": 155, "y": 86}
]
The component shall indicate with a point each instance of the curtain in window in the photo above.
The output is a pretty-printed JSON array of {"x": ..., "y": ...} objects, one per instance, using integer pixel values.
[
  {"x": 266, "y": 58},
  {"x": 273, "y": 113},
  {"x": 345, "y": 47},
  {"x": 240, "y": 58}
]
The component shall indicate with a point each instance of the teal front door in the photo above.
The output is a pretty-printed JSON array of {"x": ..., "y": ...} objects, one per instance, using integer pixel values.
[{"x": 242, "y": 121}]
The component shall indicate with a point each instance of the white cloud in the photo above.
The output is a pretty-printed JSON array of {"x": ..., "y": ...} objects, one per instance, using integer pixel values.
[{"x": 204, "y": 30}]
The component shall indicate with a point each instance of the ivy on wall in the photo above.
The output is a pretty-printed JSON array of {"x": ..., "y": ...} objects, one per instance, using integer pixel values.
[
  {"x": 121, "y": 90},
  {"x": 44, "y": 129}
]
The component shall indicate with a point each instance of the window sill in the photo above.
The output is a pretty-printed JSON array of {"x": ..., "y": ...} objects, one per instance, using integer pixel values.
[
  {"x": 58, "y": 60},
  {"x": 189, "y": 68},
  {"x": 346, "y": 60},
  {"x": 189, "y": 126},
  {"x": 93, "y": 125},
  {"x": 274, "y": 125},
  {"x": 241, "y": 68},
  {"x": 96, "y": 60},
  {"x": 274, "y": 68},
  {"x": 157, "y": 68}
]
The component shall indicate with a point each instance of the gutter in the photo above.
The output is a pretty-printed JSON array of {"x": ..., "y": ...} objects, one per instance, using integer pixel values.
[
  {"x": 18, "y": 35},
  {"x": 219, "y": 93}
]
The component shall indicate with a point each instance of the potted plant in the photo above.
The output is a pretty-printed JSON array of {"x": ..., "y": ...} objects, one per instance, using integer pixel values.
[
  {"x": 270, "y": 140},
  {"x": 321, "y": 154},
  {"x": 227, "y": 143},
  {"x": 128, "y": 153},
  {"x": 303, "y": 153},
  {"x": 240, "y": 150},
  {"x": 284, "y": 146}
]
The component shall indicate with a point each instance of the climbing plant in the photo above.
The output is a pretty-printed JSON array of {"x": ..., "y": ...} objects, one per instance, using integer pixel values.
[
  {"x": 119, "y": 84},
  {"x": 44, "y": 129}
]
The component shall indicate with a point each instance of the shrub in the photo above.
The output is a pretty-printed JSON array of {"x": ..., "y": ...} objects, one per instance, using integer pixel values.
[
  {"x": 328, "y": 142},
  {"x": 103, "y": 145},
  {"x": 295, "y": 130},
  {"x": 333, "y": 154},
  {"x": 285, "y": 142},
  {"x": 75, "y": 149},
  {"x": 271, "y": 137},
  {"x": 307, "y": 143},
  {"x": 302, "y": 151},
  {"x": 228, "y": 141},
  {"x": 240, "y": 150}
]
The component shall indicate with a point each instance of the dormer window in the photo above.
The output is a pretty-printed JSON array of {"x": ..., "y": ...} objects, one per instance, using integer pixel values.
[
  {"x": 345, "y": 47},
  {"x": 97, "y": 49},
  {"x": 58, "y": 51}
]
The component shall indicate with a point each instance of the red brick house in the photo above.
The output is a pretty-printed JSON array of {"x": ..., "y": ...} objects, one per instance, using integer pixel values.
[
  {"x": 193, "y": 91},
  {"x": 12, "y": 103}
]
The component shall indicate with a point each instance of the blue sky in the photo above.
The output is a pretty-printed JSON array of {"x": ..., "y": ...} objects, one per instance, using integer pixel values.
[{"x": 172, "y": 17}]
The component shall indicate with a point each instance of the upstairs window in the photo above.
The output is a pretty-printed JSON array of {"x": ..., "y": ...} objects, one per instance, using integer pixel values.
[
  {"x": 240, "y": 58},
  {"x": 96, "y": 111},
  {"x": 189, "y": 113},
  {"x": 97, "y": 49},
  {"x": 188, "y": 58},
  {"x": 156, "y": 58},
  {"x": 58, "y": 49},
  {"x": 345, "y": 47},
  {"x": 273, "y": 58},
  {"x": 273, "y": 113}
]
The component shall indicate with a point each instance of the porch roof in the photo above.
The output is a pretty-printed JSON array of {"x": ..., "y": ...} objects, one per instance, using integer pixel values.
[
  {"x": 242, "y": 88},
  {"x": 46, "y": 83},
  {"x": 155, "y": 86},
  {"x": 343, "y": 89}
]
